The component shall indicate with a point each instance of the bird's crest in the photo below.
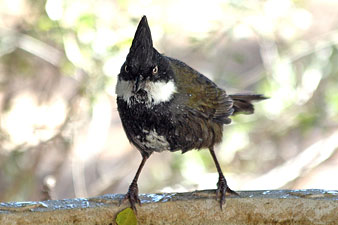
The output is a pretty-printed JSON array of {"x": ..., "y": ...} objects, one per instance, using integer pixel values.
[{"x": 141, "y": 51}]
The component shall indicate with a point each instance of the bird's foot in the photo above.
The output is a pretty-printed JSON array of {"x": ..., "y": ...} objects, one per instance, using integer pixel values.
[
  {"x": 132, "y": 196},
  {"x": 223, "y": 189}
]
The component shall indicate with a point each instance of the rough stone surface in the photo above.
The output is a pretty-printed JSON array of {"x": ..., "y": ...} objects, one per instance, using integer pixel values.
[{"x": 200, "y": 207}]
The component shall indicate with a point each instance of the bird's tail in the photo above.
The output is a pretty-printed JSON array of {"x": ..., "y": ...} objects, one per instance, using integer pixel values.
[{"x": 243, "y": 102}]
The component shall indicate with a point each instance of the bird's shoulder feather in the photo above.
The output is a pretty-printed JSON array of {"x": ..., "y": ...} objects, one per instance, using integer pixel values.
[{"x": 200, "y": 95}]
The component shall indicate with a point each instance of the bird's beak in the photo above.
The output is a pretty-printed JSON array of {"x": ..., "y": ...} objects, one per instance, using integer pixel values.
[{"x": 139, "y": 84}]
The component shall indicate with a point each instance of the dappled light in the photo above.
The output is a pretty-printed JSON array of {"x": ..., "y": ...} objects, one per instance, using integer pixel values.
[{"x": 60, "y": 134}]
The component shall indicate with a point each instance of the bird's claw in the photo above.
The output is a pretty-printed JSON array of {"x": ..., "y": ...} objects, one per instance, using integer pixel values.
[
  {"x": 222, "y": 190},
  {"x": 132, "y": 196}
]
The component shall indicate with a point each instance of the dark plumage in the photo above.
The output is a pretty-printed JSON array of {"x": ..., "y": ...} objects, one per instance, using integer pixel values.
[{"x": 166, "y": 105}]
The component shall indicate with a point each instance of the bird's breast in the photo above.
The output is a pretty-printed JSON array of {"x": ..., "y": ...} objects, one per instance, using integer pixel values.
[{"x": 147, "y": 128}]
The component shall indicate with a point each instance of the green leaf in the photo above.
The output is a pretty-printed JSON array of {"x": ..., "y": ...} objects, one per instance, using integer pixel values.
[{"x": 126, "y": 217}]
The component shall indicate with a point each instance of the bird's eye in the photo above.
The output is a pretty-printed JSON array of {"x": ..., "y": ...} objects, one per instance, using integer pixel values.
[
  {"x": 126, "y": 68},
  {"x": 155, "y": 70}
]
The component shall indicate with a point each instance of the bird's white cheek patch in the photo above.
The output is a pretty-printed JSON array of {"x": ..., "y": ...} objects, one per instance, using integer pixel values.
[
  {"x": 124, "y": 89},
  {"x": 160, "y": 91},
  {"x": 157, "y": 92}
]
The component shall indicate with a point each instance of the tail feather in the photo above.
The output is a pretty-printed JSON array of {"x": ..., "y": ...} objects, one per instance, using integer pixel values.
[{"x": 242, "y": 102}]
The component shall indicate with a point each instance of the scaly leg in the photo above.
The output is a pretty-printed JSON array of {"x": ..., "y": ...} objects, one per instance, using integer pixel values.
[
  {"x": 222, "y": 187},
  {"x": 132, "y": 194}
]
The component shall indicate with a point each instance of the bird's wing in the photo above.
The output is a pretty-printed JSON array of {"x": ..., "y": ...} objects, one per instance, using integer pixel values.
[{"x": 200, "y": 95}]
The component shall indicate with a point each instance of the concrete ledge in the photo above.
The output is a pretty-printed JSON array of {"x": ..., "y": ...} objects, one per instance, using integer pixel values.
[{"x": 199, "y": 207}]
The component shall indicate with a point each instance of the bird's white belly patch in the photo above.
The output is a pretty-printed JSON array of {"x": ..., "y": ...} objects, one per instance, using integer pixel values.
[
  {"x": 155, "y": 141},
  {"x": 157, "y": 92}
]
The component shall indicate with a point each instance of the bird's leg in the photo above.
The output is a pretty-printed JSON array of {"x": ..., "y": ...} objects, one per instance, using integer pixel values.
[
  {"x": 132, "y": 194},
  {"x": 222, "y": 187}
]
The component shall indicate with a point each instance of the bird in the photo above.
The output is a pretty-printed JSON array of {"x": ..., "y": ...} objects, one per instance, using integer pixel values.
[{"x": 166, "y": 105}]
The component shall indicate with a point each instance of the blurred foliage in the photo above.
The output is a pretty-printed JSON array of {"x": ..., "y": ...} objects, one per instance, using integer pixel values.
[{"x": 60, "y": 135}]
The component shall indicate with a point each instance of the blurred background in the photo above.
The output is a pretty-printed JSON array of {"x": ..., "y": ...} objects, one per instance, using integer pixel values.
[{"x": 60, "y": 134}]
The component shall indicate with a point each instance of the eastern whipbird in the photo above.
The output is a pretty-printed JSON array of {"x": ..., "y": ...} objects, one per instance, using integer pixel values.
[{"x": 165, "y": 105}]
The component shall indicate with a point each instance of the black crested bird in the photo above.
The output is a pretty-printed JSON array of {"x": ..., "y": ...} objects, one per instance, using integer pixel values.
[{"x": 165, "y": 105}]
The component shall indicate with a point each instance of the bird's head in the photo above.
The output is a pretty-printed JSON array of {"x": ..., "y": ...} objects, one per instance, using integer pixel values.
[{"x": 146, "y": 75}]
